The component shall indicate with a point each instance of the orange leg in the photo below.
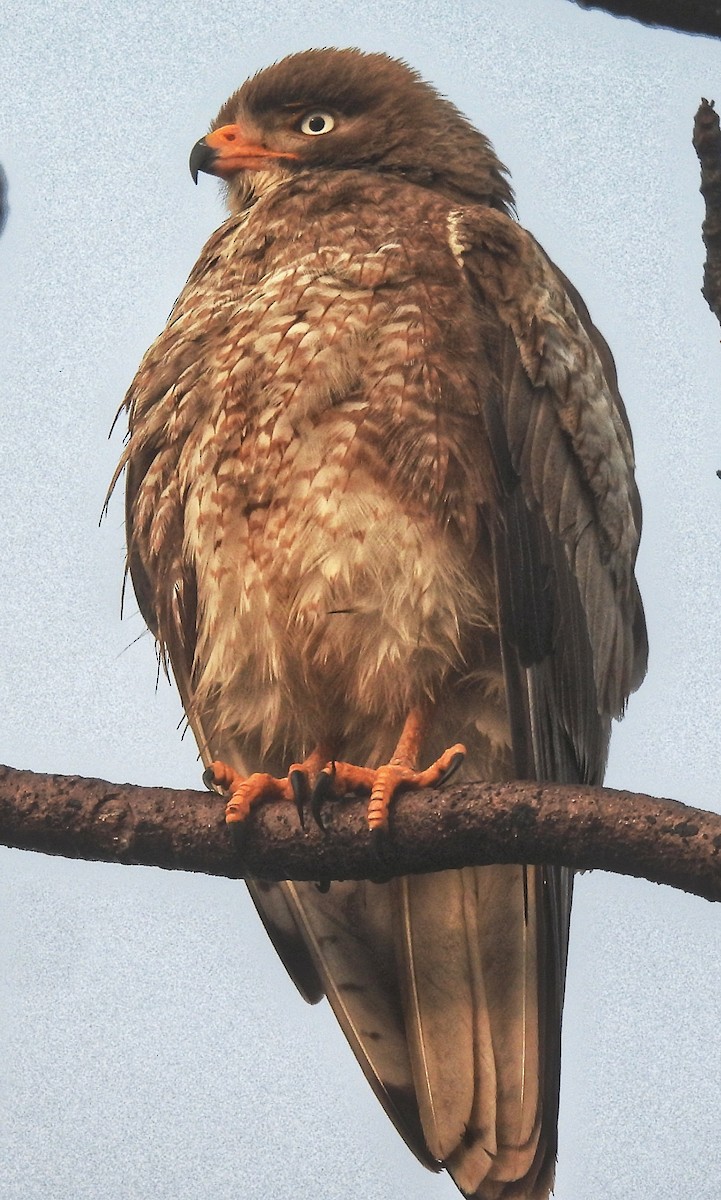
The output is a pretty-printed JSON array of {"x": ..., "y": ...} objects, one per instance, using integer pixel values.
[
  {"x": 246, "y": 792},
  {"x": 398, "y": 775}
]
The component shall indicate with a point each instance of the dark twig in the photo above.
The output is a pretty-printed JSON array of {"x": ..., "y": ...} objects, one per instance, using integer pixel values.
[
  {"x": 686, "y": 16},
  {"x": 476, "y": 823},
  {"x": 707, "y": 143}
]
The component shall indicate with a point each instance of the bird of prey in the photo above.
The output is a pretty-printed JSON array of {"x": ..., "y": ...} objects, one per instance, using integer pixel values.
[{"x": 381, "y": 515}]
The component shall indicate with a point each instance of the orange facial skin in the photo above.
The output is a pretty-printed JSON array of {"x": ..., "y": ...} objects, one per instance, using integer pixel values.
[{"x": 227, "y": 150}]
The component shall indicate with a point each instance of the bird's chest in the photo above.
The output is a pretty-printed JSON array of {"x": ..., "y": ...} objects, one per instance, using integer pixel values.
[
  {"x": 336, "y": 373},
  {"x": 303, "y": 519},
  {"x": 320, "y": 468}
]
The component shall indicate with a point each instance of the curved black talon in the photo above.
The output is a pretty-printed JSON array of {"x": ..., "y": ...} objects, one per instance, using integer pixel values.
[
  {"x": 237, "y": 835},
  {"x": 299, "y": 784},
  {"x": 380, "y": 841},
  {"x": 323, "y": 886},
  {"x": 323, "y": 790},
  {"x": 209, "y": 780},
  {"x": 451, "y": 769}
]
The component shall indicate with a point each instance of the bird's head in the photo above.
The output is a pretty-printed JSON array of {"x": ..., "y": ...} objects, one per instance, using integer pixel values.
[{"x": 340, "y": 110}]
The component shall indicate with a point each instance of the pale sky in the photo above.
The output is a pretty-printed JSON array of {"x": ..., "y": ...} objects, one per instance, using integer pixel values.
[{"x": 152, "y": 1044}]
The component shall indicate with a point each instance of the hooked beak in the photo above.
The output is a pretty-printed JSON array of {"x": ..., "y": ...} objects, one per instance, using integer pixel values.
[{"x": 227, "y": 150}]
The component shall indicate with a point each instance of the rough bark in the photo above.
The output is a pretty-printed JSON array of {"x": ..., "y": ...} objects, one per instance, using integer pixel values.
[
  {"x": 581, "y": 827},
  {"x": 707, "y": 144},
  {"x": 686, "y": 16}
]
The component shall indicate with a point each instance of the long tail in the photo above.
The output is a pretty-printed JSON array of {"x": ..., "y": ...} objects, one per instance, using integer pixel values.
[{"x": 449, "y": 990}]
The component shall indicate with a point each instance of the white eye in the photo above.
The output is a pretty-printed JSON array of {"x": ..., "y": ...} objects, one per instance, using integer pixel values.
[{"x": 317, "y": 122}]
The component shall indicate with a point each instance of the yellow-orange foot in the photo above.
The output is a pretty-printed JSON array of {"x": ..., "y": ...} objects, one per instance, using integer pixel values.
[
  {"x": 246, "y": 792},
  {"x": 384, "y": 784}
]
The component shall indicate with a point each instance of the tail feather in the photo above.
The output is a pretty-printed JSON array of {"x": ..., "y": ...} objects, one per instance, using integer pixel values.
[
  {"x": 435, "y": 982},
  {"x": 470, "y": 957},
  {"x": 436, "y": 975},
  {"x": 349, "y": 932},
  {"x": 509, "y": 952}
]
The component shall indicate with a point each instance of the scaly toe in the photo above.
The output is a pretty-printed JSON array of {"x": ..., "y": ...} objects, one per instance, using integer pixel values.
[
  {"x": 220, "y": 775},
  {"x": 246, "y": 793},
  {"x": 389, "y": 780}
]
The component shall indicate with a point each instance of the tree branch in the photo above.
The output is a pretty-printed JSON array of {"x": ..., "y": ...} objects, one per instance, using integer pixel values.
[
  {"x": 476, "y": 823},
  {"x": 707, "y": 144},
  {"x": 686, "y": 16}
]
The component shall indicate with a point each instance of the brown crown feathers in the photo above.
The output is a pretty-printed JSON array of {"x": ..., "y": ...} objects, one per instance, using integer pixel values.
[{"x": 386, "y": 118}]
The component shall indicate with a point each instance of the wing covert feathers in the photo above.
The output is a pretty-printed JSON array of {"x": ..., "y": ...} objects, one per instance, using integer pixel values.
[{"x": 566, "y": 441}]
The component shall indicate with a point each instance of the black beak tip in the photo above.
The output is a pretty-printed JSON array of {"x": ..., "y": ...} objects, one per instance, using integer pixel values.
[{"x": 202, "y": 157}]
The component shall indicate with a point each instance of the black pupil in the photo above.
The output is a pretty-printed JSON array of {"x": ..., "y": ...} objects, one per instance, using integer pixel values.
[{"x": 316, "y": 124}]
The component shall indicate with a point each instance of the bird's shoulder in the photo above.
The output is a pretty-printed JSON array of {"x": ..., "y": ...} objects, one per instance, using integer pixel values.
[{"x": 336, "y": 216}]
